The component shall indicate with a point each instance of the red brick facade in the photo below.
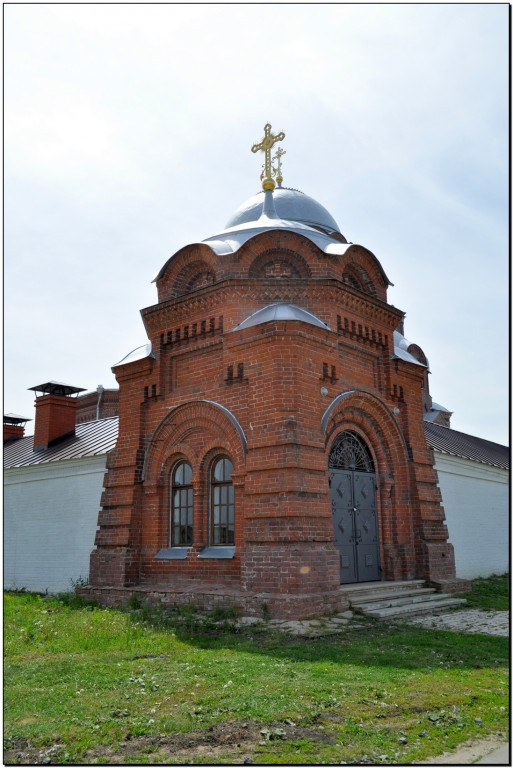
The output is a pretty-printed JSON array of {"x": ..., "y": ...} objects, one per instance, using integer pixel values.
[
  {"x": 102, "y": 404},
  {"x": 55, "y": 418},
  {"x": 272, "y": 398}
]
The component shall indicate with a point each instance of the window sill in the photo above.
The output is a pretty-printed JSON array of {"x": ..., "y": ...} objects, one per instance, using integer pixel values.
[
  {"x": 172, "y": 553},
  {"x": 217, "y": 553}
]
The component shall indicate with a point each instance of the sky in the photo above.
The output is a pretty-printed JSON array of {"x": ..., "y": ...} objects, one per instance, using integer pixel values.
[{"x": 128, "y": 133}]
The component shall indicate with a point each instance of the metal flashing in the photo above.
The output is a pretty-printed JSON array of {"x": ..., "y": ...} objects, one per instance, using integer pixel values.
[
  {"x": 172, "y": 553},
  {"x": 217, "y": 553}
]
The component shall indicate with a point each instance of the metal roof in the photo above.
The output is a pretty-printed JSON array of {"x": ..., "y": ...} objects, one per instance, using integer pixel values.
[
  {"x": 401, "y": 346},
  {"x": 281, "y": 311},
  {"x": 290, "y": 205},
  {"x": 56, "y": 388},
  {"x": 139, "y": 353},
  {"x": 447, "y": 440},
  {"x": 93, "y": 438}
]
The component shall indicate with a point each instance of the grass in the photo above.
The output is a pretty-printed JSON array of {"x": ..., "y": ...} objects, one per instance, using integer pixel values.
[
  {"x": 491, "y": 594},
  {"x": 89, "y": 685}
]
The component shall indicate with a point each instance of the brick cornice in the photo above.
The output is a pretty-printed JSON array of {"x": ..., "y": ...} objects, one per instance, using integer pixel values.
[{"x": 306, "y": 291}]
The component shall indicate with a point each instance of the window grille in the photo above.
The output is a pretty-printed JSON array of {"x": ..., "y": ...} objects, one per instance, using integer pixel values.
[
  {"x": 181, "y": 505},
  {"x": 350, "y": 452},
  {"x": 222, "y": 503}
]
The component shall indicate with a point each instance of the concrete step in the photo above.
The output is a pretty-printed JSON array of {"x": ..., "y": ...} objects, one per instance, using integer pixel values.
[
  {"x": 414, "y": 609},
  {"x": 427, "y": 596},
  {"x": 354, "y": 591},
  {"x": 398, "y": 599},
  {"x": 363, "y": 586},
  {"x": 376, "y": 595}
]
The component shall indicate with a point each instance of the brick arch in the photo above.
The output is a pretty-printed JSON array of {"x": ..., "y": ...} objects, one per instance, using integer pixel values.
[
  {"x": 178, "y": 274},
  {"x": 357, "y": 277},
  {"x": 298, "y": 250},
  {"x": 361, "y": 265},
  {"x": 280, "y": 263},
  {"x": 371, "y": 419},
  {"x": 181, "y": 452},
  {"x": 418, "y": 354},
  {"x": 194, "y": 429},
  {"x": 195, "y": 275}
]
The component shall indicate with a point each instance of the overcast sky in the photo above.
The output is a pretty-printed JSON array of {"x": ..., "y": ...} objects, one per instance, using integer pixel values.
[{"x": 128, "y": 131}]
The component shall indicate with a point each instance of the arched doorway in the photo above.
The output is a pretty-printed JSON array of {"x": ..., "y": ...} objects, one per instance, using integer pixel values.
[{"x": 353, "y": 503}]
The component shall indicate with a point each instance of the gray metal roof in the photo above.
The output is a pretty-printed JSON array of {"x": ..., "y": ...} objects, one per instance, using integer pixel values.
[
  {"x": 290, "y": 205},
  {"x": 93, "y": 438},
  {"x": 281, "y": 311},
  {"x": 401, "y": 346},
  {"x": 283, "y": 209},
  {"x": 230, "y": 240},
  {"x": 454, "y": 443},
  {"x": 139, "y": 353}
]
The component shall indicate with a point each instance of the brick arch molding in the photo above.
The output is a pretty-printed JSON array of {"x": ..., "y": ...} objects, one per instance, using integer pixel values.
[
  {"x": 376, "y": 423},
  {"x": 190, "y": 423},
  {"x": 282, "y": 241},
  {"x": 365, "y": 414},
  {"x": 285, "y": 261},
  {"x": 195, "y": 275}
]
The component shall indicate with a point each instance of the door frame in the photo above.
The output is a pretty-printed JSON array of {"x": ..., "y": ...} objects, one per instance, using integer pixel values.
[{"x": 357, "y": 460}]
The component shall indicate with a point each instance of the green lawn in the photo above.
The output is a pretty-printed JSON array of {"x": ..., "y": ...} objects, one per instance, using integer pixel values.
[
  {"x": 85, "y": 685},
  {"x": 491, "y": 594}
]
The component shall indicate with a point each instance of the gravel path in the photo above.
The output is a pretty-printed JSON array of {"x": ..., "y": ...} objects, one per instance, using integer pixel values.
[{"x": 472, "y": 621}]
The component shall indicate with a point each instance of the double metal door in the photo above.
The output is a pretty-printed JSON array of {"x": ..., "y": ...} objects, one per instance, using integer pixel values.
[{"x": 353, "y": 503}]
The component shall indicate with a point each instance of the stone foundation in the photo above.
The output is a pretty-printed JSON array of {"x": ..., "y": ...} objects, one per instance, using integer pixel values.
[{"x": 208, "y": 597}]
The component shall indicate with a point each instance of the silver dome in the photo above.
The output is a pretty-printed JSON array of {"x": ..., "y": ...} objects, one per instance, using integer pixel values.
[{"x": 290, "y": 205}]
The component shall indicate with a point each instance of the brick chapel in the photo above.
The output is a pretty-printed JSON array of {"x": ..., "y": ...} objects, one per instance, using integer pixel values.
[{"x": 271, "y": 440}]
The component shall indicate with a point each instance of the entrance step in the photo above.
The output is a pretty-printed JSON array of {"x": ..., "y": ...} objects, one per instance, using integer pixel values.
[{"x": 387, "y": 600}]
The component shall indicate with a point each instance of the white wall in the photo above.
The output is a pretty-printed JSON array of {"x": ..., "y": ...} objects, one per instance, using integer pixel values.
[
  {"x": 50, "y": 520},
  {"x": 476, "y": 502}
]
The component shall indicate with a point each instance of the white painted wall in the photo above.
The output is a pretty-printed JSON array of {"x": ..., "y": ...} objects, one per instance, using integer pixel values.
[
  {"x": 476, "y": 502},
  {"x": 51, "y": 515},
  {"x": 50, "y": 521}
]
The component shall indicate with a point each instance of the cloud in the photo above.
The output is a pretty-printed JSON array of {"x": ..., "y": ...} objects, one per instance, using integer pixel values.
[{"x": 127, "y": 135}]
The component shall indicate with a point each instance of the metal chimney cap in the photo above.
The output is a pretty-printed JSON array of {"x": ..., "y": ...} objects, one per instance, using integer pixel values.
[
  {"x": 14, "y": 419},
  {"x": 57, "y": 388}
]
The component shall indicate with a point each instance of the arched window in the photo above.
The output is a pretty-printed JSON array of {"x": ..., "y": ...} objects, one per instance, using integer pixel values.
[
  {"x": 350, "y": 452},
  {"x": 222, "y": 507},
  {"x": 181, "y": 506}
]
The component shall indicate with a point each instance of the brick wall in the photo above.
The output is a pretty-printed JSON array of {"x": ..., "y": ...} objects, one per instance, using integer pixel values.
[
  {"x": 55, "y": 418},
  {"x": 273, "y": 398}
]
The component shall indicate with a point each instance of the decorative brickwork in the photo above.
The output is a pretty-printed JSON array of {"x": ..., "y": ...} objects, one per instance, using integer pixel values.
[{"x": 272, "y": 399}]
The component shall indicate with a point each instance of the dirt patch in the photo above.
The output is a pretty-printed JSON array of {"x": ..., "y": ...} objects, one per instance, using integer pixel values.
[{"x": 235, "y": 741}]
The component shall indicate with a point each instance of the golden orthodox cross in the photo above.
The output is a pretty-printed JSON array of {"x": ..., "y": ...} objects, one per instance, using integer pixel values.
[
  {"x": 265, "y": 146},
  {"x": 277, "y": 171}
]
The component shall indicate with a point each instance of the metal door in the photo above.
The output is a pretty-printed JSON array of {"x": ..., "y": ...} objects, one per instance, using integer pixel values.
[{"x": 353, "y": 503}]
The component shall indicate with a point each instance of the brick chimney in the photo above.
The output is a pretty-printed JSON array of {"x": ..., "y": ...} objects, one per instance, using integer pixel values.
[
  {"x": 14, "y": 426},
  {"x": 55, "y": 413}
]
